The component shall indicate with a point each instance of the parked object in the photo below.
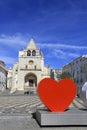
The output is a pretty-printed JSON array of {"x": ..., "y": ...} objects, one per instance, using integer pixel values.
[{"x": 84, "y": 93}]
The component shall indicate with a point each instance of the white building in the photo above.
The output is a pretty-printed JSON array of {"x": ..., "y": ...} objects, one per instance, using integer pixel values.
[
  {"x": 9, "y": 78},
  {"x": 3, "y": 76},
  {"x": 78, "y": 70},
  {"x": 29, "y": 70}
]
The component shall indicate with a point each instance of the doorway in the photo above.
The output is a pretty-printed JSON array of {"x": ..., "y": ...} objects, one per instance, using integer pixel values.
[{"x": 31, "y": 80}]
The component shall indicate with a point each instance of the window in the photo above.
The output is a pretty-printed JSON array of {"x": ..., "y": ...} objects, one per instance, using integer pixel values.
[
  {"x": 81, "y": 70},
  {"x": 35, "y": 67},
  {"x": 77, "y": 72},
  {"x": 26, "y": 66},
  {"x": 76, "y": 61},
  {"x": 33, "y": 53},
  {"x": 28, "y": 53},
  {"x": 81, "y": 80},
  {"x": 77, "y": 80},
  {"x": 73, "y": 74},
  {"x": 16, "y": 70}
]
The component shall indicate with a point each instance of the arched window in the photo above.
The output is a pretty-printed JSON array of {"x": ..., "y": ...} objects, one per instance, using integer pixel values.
[
  {"x": 28, "y": 53},
  {"x": 33, "y": 53}
]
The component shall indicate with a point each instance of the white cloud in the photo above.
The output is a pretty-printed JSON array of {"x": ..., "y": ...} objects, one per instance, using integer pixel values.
[
  {"x": 62, "y": 54},
  {"x": 62, "y": 46},
  {"x": 8, "y": 60},
  {"x": 12, "y": 40},
  {"x": 59, "y": 54},
  {"x": 61, "y": 51},
  {"x": 19, "y": 40},
  {"x": 74, "y": 55}
]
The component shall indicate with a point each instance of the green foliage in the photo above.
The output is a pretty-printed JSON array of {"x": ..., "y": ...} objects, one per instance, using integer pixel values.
[{"x": 65, "y": 75}]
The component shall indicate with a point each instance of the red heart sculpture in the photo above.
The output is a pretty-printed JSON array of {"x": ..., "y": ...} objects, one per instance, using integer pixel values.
[{"x": 57, "y": 96}]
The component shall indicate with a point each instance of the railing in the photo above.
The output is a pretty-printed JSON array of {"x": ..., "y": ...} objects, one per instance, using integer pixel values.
[{"x": 24, "y": 69}]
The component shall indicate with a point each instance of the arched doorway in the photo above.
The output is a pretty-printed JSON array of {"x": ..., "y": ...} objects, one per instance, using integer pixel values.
[{"x": 30, "y": 81}]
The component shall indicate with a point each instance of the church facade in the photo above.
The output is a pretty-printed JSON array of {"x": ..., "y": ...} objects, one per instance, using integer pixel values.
[{"x": 29, "y": 70}]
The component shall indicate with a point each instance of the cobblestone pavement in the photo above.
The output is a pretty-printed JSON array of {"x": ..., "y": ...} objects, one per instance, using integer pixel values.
[
  {"x": 19, "y": 104},
  {"x": 26, "y": 105}
]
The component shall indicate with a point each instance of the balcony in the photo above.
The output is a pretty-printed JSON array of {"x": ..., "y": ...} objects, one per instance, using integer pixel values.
[{"x": 26, "y": 69}]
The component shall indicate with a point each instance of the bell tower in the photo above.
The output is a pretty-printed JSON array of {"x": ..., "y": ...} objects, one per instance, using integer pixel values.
[
  {"x": 30, "y": 68},
  {"x": 31, "y": 62}
]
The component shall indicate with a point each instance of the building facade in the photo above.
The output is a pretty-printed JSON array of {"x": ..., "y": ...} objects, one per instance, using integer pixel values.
[
  {"x": 29, "y": 70},
  {"x": 3, "y": 76},
  {"x": 78, "y": 69},
  {"x": 55, "y": 74}
]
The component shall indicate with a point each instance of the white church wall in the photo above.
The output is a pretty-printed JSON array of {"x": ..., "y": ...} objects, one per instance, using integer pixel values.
[{"x": 33, "y": 65}]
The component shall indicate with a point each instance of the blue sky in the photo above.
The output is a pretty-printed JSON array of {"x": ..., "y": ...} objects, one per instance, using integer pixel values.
[{"x": 59, "y": 27}]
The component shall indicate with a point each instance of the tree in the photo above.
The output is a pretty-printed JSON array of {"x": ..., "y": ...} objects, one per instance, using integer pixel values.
[{"x": 66, "y": 75}]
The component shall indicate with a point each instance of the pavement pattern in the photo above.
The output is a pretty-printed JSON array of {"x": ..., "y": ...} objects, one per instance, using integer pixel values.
[
  {"x": 16, "y": 113},
  {"x": 27, "y": 104}
]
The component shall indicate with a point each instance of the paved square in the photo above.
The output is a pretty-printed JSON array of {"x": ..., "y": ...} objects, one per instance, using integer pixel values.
[{"x": 16, "y": 113}]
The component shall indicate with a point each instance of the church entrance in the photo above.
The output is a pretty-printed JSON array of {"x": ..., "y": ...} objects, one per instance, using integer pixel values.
[{"x": 30, "y": 82}]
